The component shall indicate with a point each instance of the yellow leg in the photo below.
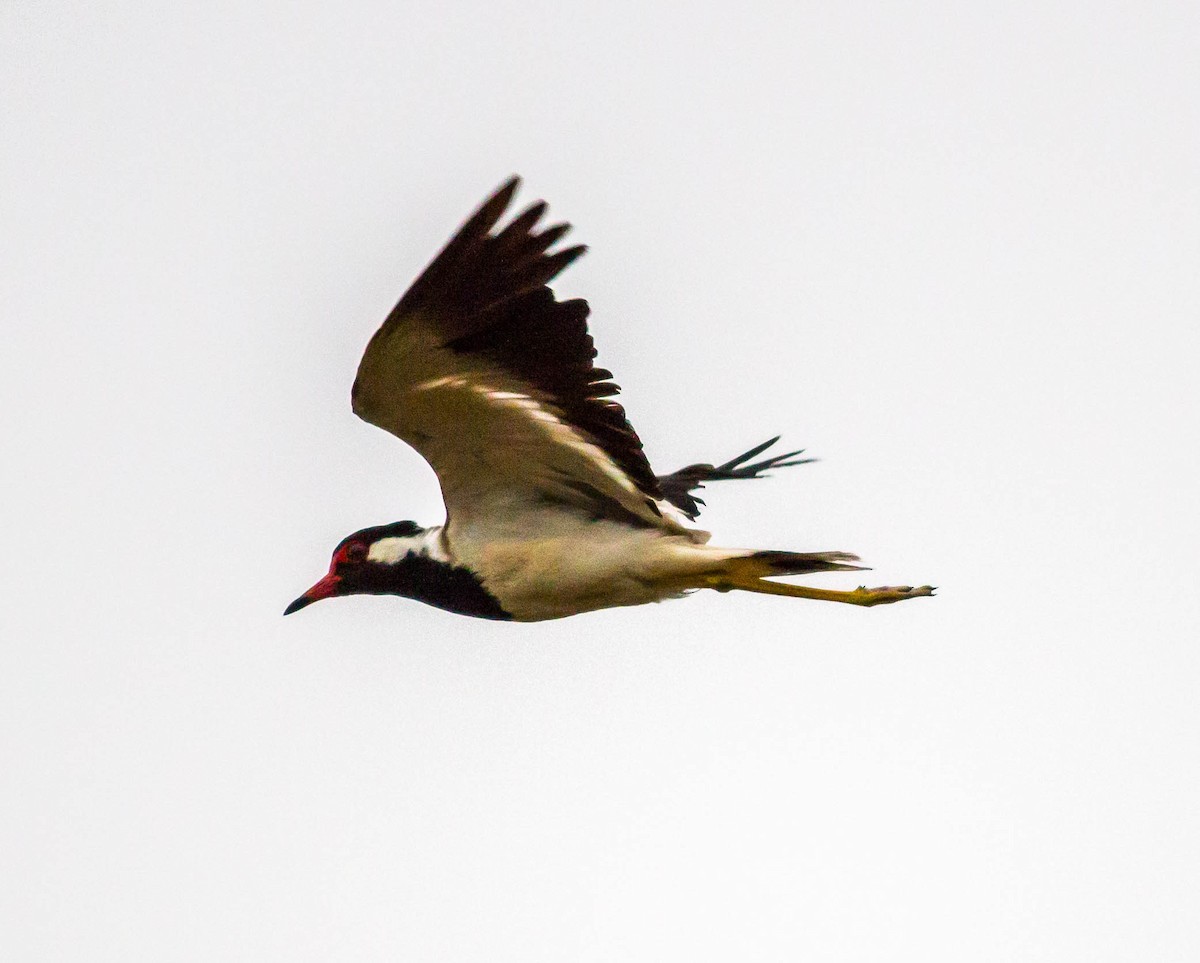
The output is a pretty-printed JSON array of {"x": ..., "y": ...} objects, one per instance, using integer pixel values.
[{"x": 860, "y": 596}]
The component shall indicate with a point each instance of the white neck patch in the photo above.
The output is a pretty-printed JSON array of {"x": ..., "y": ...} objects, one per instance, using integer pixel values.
[{"x": 389, "y": 551}]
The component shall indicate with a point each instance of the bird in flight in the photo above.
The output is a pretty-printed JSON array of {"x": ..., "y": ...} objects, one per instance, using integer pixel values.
[{"x": 552, "y": 507}]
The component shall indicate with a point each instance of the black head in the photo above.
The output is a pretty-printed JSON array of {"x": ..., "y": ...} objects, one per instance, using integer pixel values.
[
  {"x": 398, "y": 559},
  {"x": 353, "y": 570}
]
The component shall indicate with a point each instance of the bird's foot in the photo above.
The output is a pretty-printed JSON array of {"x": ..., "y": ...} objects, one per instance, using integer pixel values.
[{"x": 886, "y": 594}]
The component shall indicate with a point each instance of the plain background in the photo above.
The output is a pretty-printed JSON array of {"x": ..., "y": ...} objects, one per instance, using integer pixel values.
[{"x": 951, "y": 249}]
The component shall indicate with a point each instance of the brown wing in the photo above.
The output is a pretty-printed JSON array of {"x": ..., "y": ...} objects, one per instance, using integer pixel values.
[{"x": 491, "y": 378}]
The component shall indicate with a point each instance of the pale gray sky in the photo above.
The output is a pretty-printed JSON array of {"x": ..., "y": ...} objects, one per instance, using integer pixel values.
[{"x": 951, "y": 250}]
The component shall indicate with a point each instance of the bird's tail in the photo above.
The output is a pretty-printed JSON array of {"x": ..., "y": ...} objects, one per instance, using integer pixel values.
[{"x": 756, "y": 565}]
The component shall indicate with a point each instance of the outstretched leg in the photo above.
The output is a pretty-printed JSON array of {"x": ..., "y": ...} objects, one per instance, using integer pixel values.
[
  {"x": 755, "y": 571},
  {"x": 860, "y": 596}
]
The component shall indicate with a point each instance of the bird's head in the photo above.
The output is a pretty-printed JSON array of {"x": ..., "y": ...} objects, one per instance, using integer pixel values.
[{"x": 369, "y": 562}]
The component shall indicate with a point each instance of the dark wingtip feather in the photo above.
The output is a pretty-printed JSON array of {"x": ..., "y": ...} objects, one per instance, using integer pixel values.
[
  {"x": 508, "y": 188},
  {"x": 568, "y": 254},
  {"x": 493, "y": 208},
  {"x": 554, "y": 264},
  {"x": 747, "y": 455},
  {"x": 522, "y": 224},
  {"x": 678, "y": 486},
  {"x": 544, "y": 240}
]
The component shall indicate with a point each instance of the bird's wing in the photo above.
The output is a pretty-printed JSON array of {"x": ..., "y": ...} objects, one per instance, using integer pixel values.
[{"x": 485, "y": 373}]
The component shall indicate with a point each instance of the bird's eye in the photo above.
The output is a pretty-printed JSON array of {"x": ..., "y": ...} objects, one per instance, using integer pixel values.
[{"x": 356, "y": 552}]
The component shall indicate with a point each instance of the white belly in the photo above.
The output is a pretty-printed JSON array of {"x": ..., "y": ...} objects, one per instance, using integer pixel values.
[{"x": 582, "y": 565}]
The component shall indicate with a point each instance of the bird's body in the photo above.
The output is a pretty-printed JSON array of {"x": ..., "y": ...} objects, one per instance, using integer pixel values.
[
  {"x": 577, "y": 565},
  {"x": 552, "y": 508}
]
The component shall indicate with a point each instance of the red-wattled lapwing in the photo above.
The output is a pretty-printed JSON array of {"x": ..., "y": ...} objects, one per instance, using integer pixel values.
[{"x": 552, "y": 508}]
